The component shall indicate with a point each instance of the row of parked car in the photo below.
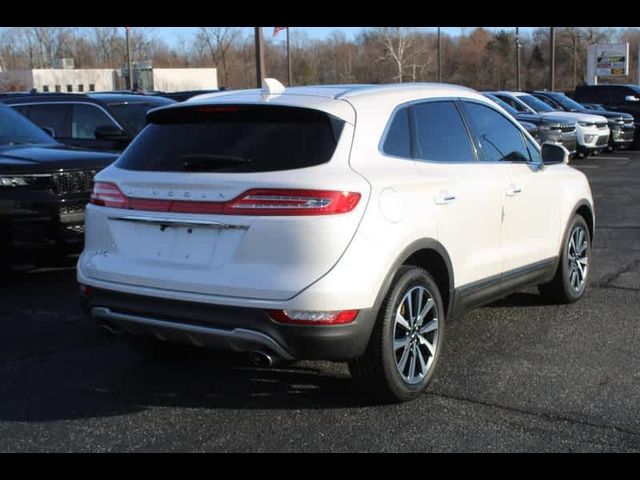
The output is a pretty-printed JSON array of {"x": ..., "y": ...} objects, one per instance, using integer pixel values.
[
  {"x": 554, "y": 117},
  {"x": 328, "y": 222}
]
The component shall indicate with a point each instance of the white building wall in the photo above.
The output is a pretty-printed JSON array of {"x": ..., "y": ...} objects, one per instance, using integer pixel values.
[
  {"x": 179, "y": 79},
  {"x": 16, "y": 80},
  {"x": 101, "y": 78}
]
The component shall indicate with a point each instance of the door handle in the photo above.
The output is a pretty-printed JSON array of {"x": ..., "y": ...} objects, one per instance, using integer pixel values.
[
  {"x": 513, "y": 191},
  {"x": 444, "y": 198}
]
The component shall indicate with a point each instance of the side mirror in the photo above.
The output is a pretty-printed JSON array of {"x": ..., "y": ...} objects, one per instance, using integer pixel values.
[
  {"x": 553, "y": 154},
  {"x": 110, "y": 132},
  {"x": 631, "y": 98},
  {"x": 49, "y": 131}
]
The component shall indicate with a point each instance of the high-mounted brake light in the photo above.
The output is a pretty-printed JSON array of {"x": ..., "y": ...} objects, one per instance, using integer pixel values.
[
  {"x": 257, "y": 202},
  {"x": 306, "y": 317}
]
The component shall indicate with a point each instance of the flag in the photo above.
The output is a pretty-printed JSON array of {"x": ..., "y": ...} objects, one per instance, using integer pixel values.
[{"x": 277, "y": 30}]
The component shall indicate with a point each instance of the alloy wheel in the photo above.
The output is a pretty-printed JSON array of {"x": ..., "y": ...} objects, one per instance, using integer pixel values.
[
  {"x": 578, "y": 258},
  {"x": 415, "y": 335}
]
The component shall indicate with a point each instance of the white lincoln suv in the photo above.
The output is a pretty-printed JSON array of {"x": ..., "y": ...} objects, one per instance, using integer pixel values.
[{"x": 346, "y": 223}]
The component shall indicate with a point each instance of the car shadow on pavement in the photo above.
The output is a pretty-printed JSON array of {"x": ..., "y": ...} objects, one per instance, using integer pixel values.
[
  {"x": 119, "y": 382},
  {"x": 520, "y": 299}
]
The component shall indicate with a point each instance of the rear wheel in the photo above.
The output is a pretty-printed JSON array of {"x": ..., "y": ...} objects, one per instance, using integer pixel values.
[
  {"x": 406, "y": 341},
  {"x": 571, "y": 277}
]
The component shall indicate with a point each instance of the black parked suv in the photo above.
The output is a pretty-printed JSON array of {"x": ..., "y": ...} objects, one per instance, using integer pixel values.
[
  {"x": 184, "y": 95},
  {"x": 44, "y": 187},
  {"x": 619, "y": 98},
  {"x": 621, "y": 124},
  {"x": 99, "y": 121}
]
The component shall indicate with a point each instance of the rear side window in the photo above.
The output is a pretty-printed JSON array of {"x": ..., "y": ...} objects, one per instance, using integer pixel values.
[
  {"x": 398, "y": 140},
  {"x": 497, "y": 139},
  {"x": 440, "y": 134},
  {"x": 233, "y": 139}
]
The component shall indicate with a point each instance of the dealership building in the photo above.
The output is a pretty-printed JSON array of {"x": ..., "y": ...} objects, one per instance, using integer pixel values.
[{"x": 67, "y": 79}]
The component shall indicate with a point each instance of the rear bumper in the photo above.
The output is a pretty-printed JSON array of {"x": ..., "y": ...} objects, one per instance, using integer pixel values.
[{"x": 229, "y": 328}]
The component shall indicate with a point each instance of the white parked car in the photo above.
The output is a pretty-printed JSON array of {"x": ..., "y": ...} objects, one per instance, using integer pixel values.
[
  {"x": 592, "y": 130},
  {"x": 346, "y": 223}
]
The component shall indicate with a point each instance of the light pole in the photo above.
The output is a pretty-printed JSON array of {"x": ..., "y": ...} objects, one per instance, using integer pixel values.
[
  {"x": 518, "y": 81},
  {"x": 288, "y": 58},
  {"x": 439, "y": 59},
  {"x": 552, "y": 59},
  {"x": 259, "y": 56},
  {"x": 129, "y": 62}
]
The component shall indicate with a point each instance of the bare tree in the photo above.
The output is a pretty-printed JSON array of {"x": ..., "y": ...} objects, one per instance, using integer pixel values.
[
  {"x": 219, "y": 41},
  {"x": 396, "y": 42}
]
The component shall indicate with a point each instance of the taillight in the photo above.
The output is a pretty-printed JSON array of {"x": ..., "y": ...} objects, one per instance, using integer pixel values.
[
  {"x": 292, "y": 202},
  {"x": 253, "y": 202},
  {"x": 306, "y": 317},
  {"x": 108, "y": 195},
  {"x": 85, "y": 290}
]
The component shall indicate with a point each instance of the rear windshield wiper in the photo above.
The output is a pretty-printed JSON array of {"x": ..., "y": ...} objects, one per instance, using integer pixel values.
[{"x": 199, "y": 162}]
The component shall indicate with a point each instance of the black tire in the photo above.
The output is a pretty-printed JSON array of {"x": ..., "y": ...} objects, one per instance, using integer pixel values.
[
  {"x": 376, "y": 371},
  {"x": 560, "y": 289},
  {"x": 156, "y": 350},
  {"x": 581, "y": 153}
]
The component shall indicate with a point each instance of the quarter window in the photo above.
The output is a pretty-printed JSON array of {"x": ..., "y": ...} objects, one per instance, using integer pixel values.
[
  {"x": 496, "y": 138},
  {"x": 86, "y": 118},
  {"x": 534, "y": 152},
  {"x": 398, "y": 140},
  {"x": 440, "y": 134}
]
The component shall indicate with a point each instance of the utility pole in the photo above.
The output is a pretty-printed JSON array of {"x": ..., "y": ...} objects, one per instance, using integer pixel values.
[
  {"x": 129, "y": 62},
  {"x": 439, "y": 58},
  {"x": 288, "y": 58},
  {"x": 575, "y": 61},
  {"x": 552, "y": 59},
  {"x": 518, "y": 81},
  {"x": 259, "y": 56}
]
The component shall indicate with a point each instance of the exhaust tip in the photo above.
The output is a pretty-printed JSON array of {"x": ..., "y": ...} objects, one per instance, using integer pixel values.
[{"x": 261, "y": 359}]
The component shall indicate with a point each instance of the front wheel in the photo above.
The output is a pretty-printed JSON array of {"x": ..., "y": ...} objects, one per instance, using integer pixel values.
[
  {"x": 406, "y": 340},
  {"x": 570, "y": 280}
]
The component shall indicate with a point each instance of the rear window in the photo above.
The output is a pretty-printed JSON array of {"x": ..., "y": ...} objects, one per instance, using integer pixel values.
[
  {"x": 233, "y": 139},
  {"x": 132, "y": 115}
]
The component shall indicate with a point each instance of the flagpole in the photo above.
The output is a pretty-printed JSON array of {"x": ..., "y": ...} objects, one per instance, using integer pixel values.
[{"x": 288, "y": 58}]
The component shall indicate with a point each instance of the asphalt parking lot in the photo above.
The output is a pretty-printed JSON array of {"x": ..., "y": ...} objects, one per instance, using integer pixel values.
[{"x": 515, "y": 376}]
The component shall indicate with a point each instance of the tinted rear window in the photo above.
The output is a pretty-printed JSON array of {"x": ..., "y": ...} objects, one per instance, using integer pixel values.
[{"x": 233, "y": 139}]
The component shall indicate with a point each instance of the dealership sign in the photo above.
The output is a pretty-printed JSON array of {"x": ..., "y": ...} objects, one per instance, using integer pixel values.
[{"x": 612, "y": 59}]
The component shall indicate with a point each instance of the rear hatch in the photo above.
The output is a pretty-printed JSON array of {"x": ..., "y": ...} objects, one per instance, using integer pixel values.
[{"x": 238, "y": 200}]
